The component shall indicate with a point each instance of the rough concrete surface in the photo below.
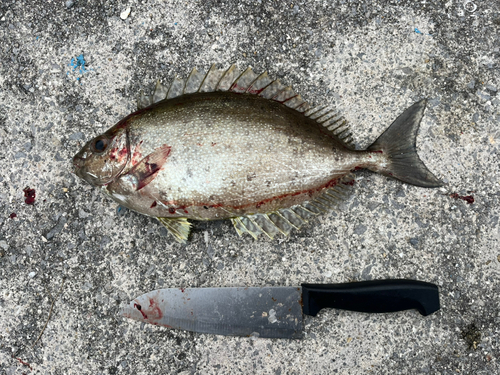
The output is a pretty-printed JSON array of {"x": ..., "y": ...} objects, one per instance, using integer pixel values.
[{"x": 372, "y": 60}]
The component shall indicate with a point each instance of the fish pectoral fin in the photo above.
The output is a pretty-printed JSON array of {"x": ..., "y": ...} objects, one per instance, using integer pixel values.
[
  {"x": 179, "y": 227},
  {"x": 146, "y": 170}
]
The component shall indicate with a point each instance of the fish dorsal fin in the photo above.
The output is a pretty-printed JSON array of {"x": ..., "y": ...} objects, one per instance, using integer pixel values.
[
  {"x": 178, "y": 227},
  {"x": 194, "y": 82},
  {"x": 285, "y": 220},
  {"x": 251, "y": 83}
]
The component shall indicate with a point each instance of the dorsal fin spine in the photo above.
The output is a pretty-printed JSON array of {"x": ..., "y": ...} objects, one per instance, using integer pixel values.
[
  {"x": 234, "y": 84},
  {"x": 206, "y": 75},
  {"x": 255, "y": 80},
  {"x": 290, "y": 98},
  {"x": 170, "y": 87},
  {"x": 279, "y": 93}
]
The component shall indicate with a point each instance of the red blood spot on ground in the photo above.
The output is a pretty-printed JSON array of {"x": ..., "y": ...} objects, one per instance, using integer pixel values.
[
  {"x": 468, "y": 198},
  {"x": 13, "y": 215},
  {"x": 23, "y": 363},
  {"x": 153, "y": 204},
  {"x": 30, "y": 195}
]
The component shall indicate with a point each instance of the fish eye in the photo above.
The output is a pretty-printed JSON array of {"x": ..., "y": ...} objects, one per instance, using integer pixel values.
[{"x": 100, "y": 144}]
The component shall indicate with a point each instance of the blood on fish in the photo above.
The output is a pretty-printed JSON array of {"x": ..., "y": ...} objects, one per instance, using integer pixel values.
[
  {"x": 329, "y": 184},
  {"x": 235, "y": 86},
  {"x": 30, "y": 195},
  {"x": 255, "y": 92},
  {"x": 155, "y": 309},
  {"x": 123, "y": 152},
  {"x": 137, "y": 155},
  {"x": 290, "y": 98},
  {"x": 139, "y": 307},
  {"x": 350, "y": 183},
  {"x": 153, "y": 204}
]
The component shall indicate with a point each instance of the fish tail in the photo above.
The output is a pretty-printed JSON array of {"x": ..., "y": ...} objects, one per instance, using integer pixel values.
[{"x": 398, "y": 143}]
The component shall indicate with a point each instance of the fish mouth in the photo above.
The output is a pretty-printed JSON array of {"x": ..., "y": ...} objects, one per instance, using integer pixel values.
[{"x": 78, "y": 163}]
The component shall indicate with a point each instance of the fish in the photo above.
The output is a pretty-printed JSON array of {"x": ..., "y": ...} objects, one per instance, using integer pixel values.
[{"x": 240, "y": 146}]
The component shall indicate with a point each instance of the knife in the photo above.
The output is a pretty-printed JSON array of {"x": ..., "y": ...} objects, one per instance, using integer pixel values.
[{"x": 275, "y": 312}]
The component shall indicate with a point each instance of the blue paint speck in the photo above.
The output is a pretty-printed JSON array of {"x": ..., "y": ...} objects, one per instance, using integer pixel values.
[
  {"x": 78, "y": 63},
  {"x": 418, "y": 31},
  {"x": 175, "y": 23}
]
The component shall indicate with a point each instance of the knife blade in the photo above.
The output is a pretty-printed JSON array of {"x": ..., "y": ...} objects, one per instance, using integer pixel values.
[{"x": 275, "y": 312}]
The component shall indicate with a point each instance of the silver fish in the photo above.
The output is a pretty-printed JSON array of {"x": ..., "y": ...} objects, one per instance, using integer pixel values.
[{"x": 224, "y": 145}]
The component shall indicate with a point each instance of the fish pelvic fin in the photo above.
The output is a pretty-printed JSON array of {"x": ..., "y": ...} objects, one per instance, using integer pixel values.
[
  {"x": 398, "y": 143},
  {"x": 179, "y": 227}
]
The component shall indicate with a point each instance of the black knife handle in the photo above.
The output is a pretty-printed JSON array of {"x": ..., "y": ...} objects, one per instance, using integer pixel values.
[{"x": 375, "y": 296}]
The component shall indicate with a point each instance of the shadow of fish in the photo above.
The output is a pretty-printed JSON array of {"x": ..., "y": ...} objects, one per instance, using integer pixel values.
[{"x": 224, "y": 145}]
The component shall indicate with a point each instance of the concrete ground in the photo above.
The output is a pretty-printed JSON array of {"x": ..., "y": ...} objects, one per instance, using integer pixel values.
[{"x": 71, "y": 69}]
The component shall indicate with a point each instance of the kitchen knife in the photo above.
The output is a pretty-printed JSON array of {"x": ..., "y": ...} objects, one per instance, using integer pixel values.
[{"x": 275, "y": 312}]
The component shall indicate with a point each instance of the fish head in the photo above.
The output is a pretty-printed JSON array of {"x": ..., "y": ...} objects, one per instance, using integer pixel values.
[{"x": 103, "y": 158}]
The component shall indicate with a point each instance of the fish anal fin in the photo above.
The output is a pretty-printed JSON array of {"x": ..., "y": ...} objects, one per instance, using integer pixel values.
[
  {"x": 179, "y": 227},
  {"x": 147, "y": 169},
  {"x": 332, "y": 196}
]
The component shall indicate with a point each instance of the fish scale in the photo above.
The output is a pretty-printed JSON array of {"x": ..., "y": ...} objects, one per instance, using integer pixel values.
[{"x": 240, "y": 146}]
